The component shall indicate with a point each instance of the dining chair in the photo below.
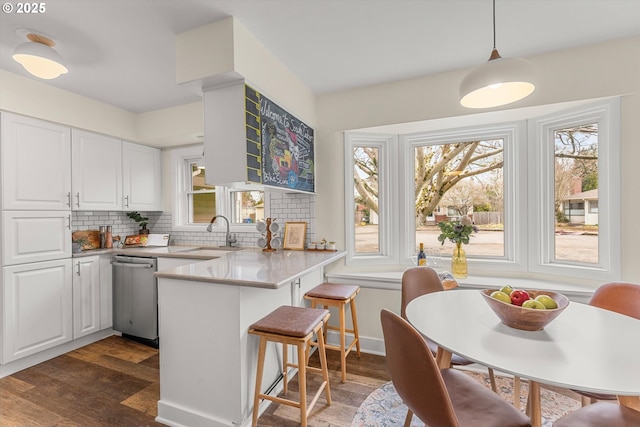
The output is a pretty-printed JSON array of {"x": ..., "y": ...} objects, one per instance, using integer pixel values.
[
  {"x": 623, "y": 298},
  {"x": 439, "y": 397},
  {"x": 419, "y": 281},
  {"x": 600, "y": 414}
]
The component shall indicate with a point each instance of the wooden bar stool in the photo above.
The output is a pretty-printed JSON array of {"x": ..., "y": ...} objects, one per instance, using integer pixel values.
[
  {"x": 295, "y": 326},
  {"x": 335, "y": 295}
]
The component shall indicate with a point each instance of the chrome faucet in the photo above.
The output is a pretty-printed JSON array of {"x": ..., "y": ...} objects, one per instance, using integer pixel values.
[{"x": 230, "y": 240}]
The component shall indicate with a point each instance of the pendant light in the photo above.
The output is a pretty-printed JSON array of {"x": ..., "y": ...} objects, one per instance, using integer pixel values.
[
  {"x": 38, "y": 57},
  {"x": 497, "y": 82}
]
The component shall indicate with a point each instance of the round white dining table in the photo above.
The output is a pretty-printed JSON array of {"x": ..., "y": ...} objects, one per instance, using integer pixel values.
[{"x": 584, "y": 348}]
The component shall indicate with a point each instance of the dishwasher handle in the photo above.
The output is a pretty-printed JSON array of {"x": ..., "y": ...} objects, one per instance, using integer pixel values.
[{"x": 132, "y": 265}]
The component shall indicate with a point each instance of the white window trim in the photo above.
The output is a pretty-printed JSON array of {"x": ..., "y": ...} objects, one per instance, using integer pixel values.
[
  {"x": 387, "y": 223},
  {"x": 513, "y": 135},
  {"x": 526, "y": 201},
  {"x": 179, "y": 218},
  {"x": 541, "y": 152}
]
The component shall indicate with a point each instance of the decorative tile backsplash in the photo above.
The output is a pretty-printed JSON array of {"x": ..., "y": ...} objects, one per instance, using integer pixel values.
[{"x": 284, "y": 207}]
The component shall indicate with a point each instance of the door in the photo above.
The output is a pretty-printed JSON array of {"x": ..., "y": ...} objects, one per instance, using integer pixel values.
[
  {"x": 37, "y": 308},
  {"x": 36, "y": 164},
  {"x": 86, "y": 296},
  {"x": 96, "y": 172},
  {"x": 142, "y": 177},
  {"x": 32, "y": 236}
]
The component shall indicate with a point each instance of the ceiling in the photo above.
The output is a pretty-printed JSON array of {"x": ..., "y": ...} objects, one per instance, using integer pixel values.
[{"x": 122, "y": 52}]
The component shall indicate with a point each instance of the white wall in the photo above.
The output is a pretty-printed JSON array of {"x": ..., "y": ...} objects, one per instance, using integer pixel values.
[{"x": 603, "y": 70}]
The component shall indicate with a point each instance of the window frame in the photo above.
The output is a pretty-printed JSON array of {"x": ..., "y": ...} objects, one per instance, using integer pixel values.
[
  {"x": 387, "y": 226},
  {"x": 542, "y": 149},
  {"x": 528, "y": 175},
  {"x": 512, "y": 135},
  {"x": 180, "y": 159}
]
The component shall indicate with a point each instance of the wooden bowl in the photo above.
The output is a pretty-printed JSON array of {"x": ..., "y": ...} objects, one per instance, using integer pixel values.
[{"x": 526, "y": 319}]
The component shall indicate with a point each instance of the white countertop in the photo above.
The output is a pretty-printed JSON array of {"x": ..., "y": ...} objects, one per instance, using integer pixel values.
[
  {"x": 253, "y": 267},
  {"x": 195, "y": 252}
]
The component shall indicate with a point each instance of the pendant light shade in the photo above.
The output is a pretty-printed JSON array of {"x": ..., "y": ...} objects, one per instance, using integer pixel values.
[
  {"x": 497, "y": 82},
  {"x": 38, "y": 57}
]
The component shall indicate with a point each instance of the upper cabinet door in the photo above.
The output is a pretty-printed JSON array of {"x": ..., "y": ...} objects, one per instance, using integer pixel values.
[
  {"x": 96, "y": 172},
  {"x": 142, "y": 176},
  {"x": 36, "y": 164}
]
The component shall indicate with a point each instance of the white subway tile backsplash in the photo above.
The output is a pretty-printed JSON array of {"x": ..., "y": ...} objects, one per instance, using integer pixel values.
[{"x": 282, "y": 206}]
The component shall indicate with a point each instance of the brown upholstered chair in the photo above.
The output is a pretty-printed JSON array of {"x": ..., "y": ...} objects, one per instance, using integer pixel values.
[
  {"x": 600, "y": 414},
  {"x": 419, "y": 281},
  {"x": 439, "y": 397},
  {"x": 623, "y": 298}
]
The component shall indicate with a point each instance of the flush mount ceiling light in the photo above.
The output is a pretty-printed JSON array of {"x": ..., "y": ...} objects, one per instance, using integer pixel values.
[
  {"x": 497, "y": 82},
  {"x": 38, "y": 57}
]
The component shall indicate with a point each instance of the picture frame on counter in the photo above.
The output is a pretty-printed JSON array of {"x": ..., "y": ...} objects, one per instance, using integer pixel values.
[{"x": 295, "y": 234}]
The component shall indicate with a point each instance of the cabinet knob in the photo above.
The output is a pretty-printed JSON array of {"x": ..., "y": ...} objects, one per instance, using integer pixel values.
[
  {"x": 126, "y": 201},
  {"x": 78, "y": 199}
]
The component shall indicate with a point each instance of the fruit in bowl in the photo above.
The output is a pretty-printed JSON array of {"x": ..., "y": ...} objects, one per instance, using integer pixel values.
[{"x": 530, "y": 310}]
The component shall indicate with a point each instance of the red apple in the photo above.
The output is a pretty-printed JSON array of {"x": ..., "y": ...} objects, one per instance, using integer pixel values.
[{"x": 519, "y": 296}]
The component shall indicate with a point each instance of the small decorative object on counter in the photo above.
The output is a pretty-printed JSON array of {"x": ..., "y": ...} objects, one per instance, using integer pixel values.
[
  {"x": 271, "y": 228},
  {"x": 322, "y": 244},
  {"x": 295, "y": 236},
  {"x": 331, "y": 246},
  {"x": 313, "y": 246},
  {"x": 103, "y": 241},
  {"x": 108, "y": 238},
  {"x": 141, "y": 220}
]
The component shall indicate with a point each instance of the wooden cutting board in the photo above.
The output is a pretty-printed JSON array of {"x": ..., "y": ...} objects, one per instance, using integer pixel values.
[{"x": 90, "y": 239}]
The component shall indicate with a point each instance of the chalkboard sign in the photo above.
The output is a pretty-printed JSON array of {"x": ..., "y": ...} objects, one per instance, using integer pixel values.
[
  {"x": 285, "y": 156},
  {"x": 252, "y": 126}
]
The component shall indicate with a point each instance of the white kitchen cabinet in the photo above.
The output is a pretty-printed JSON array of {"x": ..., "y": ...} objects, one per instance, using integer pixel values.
[
  {"x": 32, "y": 236},
  {"x": 96, "y": 171},
  {"x": 86, "y": 296},
  {"x": 36, "y": 164},
  {"x": 36, "y": 308},
  {"x": 303, "y": 285},
  {"x": 106, "y": 292},
  {"x": 142, "y": 177}
]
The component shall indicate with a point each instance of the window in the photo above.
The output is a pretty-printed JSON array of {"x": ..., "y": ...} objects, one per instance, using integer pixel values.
[
  {"x": 459, "y": 179},
  {"x": 543, "y": 193},
  {"x": 578, "y": 152},
  {"x": 196, "y": 202},
  {"x": 201, "y": 197},
  {"x": 369, "y": 199},
  {"x": 247, "y": 206}
]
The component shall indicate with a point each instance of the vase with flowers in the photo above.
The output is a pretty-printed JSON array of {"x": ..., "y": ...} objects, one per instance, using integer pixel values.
[{"x": 459, "y": 233}]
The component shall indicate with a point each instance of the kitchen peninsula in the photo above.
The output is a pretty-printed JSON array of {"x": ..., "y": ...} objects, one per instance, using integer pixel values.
[{"x": 207, "y": 358}]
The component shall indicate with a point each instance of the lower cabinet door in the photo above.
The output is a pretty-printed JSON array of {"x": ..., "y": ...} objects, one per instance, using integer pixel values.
[
  {"x": 37, "y": 308},
  {"x": 86, "y": 296}
]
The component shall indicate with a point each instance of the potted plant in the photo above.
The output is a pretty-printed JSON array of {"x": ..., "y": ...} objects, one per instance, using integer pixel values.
[{"x": 141, "y": 220}]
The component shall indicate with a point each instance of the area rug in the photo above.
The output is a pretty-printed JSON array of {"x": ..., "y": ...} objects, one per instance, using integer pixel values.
[{"x": 384, "y": 408}]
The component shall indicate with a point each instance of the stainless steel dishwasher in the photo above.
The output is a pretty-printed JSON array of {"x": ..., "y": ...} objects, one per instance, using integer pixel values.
[{"x": 135, "y": 298}]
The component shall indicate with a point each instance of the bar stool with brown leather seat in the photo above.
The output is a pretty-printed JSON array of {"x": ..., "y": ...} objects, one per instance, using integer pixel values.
[
  {"x": 336, "y": 295},
  {"x": 295, "y": 326}
]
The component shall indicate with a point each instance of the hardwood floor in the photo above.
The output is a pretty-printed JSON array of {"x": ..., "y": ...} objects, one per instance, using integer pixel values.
[{"x": 115, "y": 382}]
